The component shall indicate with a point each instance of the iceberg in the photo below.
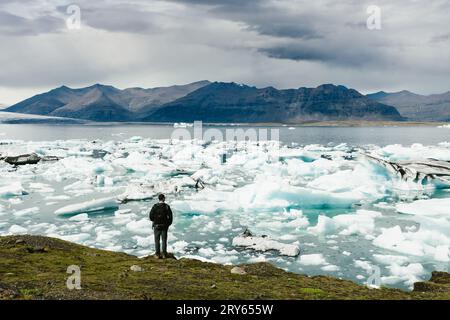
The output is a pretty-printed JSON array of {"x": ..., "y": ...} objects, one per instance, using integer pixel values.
[
  {"x": 430, "y": 207},
  {"x": 88, "y": 206},
  {"x": 12, "y": 190},
  {"x": 265, "y": 243},
  {"x": 136, "y": 193}
]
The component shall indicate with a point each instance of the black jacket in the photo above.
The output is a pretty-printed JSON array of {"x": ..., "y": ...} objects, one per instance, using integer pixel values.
[{"x": 161, "y": 215}]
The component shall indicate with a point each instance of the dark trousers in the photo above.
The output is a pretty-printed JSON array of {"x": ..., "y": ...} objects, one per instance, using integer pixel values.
[{"x": 160, "y": 234}]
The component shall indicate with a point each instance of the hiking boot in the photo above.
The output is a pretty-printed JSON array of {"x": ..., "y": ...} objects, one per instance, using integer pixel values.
[
  {"x": 158, "y": 255},
  {"x": 164, "y": 256}
]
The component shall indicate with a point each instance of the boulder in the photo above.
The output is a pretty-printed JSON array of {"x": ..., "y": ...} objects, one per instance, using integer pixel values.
[
  {"x": 238, "y": 270},
  {"x": 136, "y": 268}
]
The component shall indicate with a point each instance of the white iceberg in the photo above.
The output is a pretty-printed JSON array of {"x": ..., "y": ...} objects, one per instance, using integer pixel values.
[
  {"x": 265, "y": 243},
  {"x": 89, "y": 206},
  {"x": 136, "y": 193}
]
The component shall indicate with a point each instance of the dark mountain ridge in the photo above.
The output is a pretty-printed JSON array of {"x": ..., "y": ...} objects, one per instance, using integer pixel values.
[
  {"x": 434, "y": 107},
  {"x": 209, "y": 102},
  {"x": 231, "y": 102}
]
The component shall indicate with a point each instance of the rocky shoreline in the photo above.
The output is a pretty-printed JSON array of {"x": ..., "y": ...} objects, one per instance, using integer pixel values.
[{"x": 36, "y": 267}]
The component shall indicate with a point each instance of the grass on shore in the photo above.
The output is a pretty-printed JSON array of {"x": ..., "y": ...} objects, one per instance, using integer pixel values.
[{"x": 35, "y": 267}]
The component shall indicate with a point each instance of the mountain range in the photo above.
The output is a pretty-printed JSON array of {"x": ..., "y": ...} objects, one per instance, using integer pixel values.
[
  {"x": 435, "y": 107},
  {"x": 208, "y": 102}
]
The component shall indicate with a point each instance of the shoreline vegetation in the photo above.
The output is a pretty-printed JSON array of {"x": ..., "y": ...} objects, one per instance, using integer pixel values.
[{"x": 35, "y": 267}]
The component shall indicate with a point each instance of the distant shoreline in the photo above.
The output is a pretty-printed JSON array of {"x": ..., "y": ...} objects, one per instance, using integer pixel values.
[
  {"x": 345, "y": 123},
  {"x": 19, "y": 118}
]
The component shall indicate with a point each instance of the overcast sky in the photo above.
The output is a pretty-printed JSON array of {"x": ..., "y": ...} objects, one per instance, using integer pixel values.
[{"x": 280, "y": 43}]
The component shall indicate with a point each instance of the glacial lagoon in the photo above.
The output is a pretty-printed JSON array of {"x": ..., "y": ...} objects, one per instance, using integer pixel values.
[{"x": 314, "y": 189}]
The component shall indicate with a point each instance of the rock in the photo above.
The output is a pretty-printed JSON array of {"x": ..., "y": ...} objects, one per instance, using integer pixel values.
[
  {"x": 37, "y": 249},
  {"x": 213, "y": 286},
  {"x": 24, "y": 159},
  {"x": 20, "y": 241},
  {"x": 247, "y": 233},
  {"x": 136, "y": 268},
  {"x": 238, "y": 270},
  {"x": 430, "y": 287},
  {"x": 99, "y": 154},
  {"x": 51, "y": 158},
  {"x": 439, "y": 282},
  {"x": 440, "y": 277}
]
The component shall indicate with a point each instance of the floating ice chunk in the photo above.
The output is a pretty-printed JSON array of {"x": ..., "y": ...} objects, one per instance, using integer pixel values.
[
  {"x": 135, "y": 139},
  {"x": 408, "y": 274},
  {"x": 208, "y": 252},
  {"x": 88, "y": 206},
  {"x": 26, "y": 212},
  {"x": 265, "y": 243},
  {"x": 179, "y": 246},
  {"x": 260, "y": 258},
  {"x": 12, "y": 190},
  {"x": 431, "y": 207},
  {"x": 325, "y": 225},
  {"x": 142, "y": 226},
  {"x": 330, "y": 268},
  {"x": 58, "y": 198},
  {"x": 122, "y": 212},
  {"x": 77, "y": 238},
  {"x": 16, "y": 229},
  {"x": 362, "y": 182},
  {"x": 226, "y": 260},
  {"x": 200, "y": 206},
  {"x": 394, "y": 239},
  {"x": 104, "y": 235},
  {"x": 360, "y": 223},
  {"x": 136, "y": 193},
  {"x": 144, "y": 241},
  {"x": 41, "y": 187},
  {"x": 277, "y": 195},
  {"x": 315, "y": 259},
  {"x": 398, "y": 152},
  {"x": 80, "y": 217},
  {"x": 390, "y": 259},
  {"x": 424, "y": 243},
  {"x": 367, "y": 266}
]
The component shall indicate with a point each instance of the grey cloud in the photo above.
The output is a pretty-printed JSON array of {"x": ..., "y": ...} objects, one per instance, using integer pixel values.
[
  {"x": 440, "y": 38},
  {"x": 11, "y": 24},
  {"x": 117, "y": 17},
  {"x": 331, "y": 54},
  {"x": 259, "y": 42},
  {"x": 261, "y": 16}
]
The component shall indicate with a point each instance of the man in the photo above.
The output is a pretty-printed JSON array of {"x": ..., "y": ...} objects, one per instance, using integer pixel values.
[{"x": 161, "y": 216}]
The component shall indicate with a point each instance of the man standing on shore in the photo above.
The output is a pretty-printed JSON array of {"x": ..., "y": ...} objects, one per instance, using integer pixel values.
[{"x": 161, "y": 216}]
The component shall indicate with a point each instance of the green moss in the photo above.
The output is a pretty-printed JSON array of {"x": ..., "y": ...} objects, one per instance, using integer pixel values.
[
  {"x": 312, "y": 291},
  {"x": 28, "y": 271}
]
